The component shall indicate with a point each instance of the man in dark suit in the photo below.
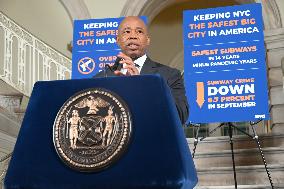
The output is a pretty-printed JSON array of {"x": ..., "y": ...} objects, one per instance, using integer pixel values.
[{"x": 133, "y": 40}]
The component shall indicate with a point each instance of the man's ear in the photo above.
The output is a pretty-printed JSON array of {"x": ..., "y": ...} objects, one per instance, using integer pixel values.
[{"x": 148, "y": 40}]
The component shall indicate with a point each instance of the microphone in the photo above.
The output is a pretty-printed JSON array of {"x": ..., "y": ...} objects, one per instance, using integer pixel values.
[
  {"x": 118, "y": 66},
  {"x": 114, "y": 67}
]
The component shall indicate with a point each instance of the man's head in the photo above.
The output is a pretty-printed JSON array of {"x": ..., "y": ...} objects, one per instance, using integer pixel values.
[{"x": 133, "y": 37}]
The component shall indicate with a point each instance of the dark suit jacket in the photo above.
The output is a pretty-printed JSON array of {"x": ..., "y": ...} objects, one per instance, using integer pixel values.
[{"x": 172, "y": 77}]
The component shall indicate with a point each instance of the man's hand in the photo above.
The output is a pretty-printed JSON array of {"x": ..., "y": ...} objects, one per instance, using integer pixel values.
[{"x": 128, "y": 64}]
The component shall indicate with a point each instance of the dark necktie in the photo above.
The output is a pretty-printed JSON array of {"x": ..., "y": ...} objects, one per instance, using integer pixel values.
[{"x": 136, "y": 65}]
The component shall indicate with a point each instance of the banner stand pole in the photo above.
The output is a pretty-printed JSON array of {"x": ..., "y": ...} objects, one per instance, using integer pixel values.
[{"x": 231, "y": 125}]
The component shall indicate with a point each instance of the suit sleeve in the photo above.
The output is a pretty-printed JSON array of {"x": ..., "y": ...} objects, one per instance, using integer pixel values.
[{"x": 175, "y": 82}]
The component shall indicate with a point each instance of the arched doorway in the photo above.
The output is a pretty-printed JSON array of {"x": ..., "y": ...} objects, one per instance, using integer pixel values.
[{"x": 165, "y": 27}]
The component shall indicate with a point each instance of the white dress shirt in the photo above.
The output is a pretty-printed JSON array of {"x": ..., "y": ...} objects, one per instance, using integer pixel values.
[{"x": 140, "y": 62}]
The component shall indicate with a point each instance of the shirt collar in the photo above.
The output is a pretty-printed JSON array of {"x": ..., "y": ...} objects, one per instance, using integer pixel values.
[{"x": 140, "y": 61}]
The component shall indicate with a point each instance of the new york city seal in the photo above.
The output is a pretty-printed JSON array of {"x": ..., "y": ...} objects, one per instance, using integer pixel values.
[{"x": 92, "y": 129}]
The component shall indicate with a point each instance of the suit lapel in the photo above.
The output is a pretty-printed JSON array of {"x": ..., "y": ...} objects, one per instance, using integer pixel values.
[{"x": 149, "y": 67}]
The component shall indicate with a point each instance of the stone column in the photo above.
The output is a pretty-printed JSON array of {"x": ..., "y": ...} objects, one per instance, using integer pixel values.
[
  {"x": 212, "y": 126},
  {"x": 274, "y": 40}
]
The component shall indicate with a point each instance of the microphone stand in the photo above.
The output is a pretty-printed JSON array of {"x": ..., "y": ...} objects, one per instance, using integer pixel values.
[{"x": 105, "y": 69}]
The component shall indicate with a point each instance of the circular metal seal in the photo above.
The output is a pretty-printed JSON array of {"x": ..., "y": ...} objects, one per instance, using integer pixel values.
[{"x": 92, "y": 129}]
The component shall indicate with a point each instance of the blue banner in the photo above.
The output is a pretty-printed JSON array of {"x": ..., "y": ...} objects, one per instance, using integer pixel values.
[
  {"x": 224, "y": 64},
  {"x": 87, "y": 64},
  {"x": 94, "y": 45}
]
